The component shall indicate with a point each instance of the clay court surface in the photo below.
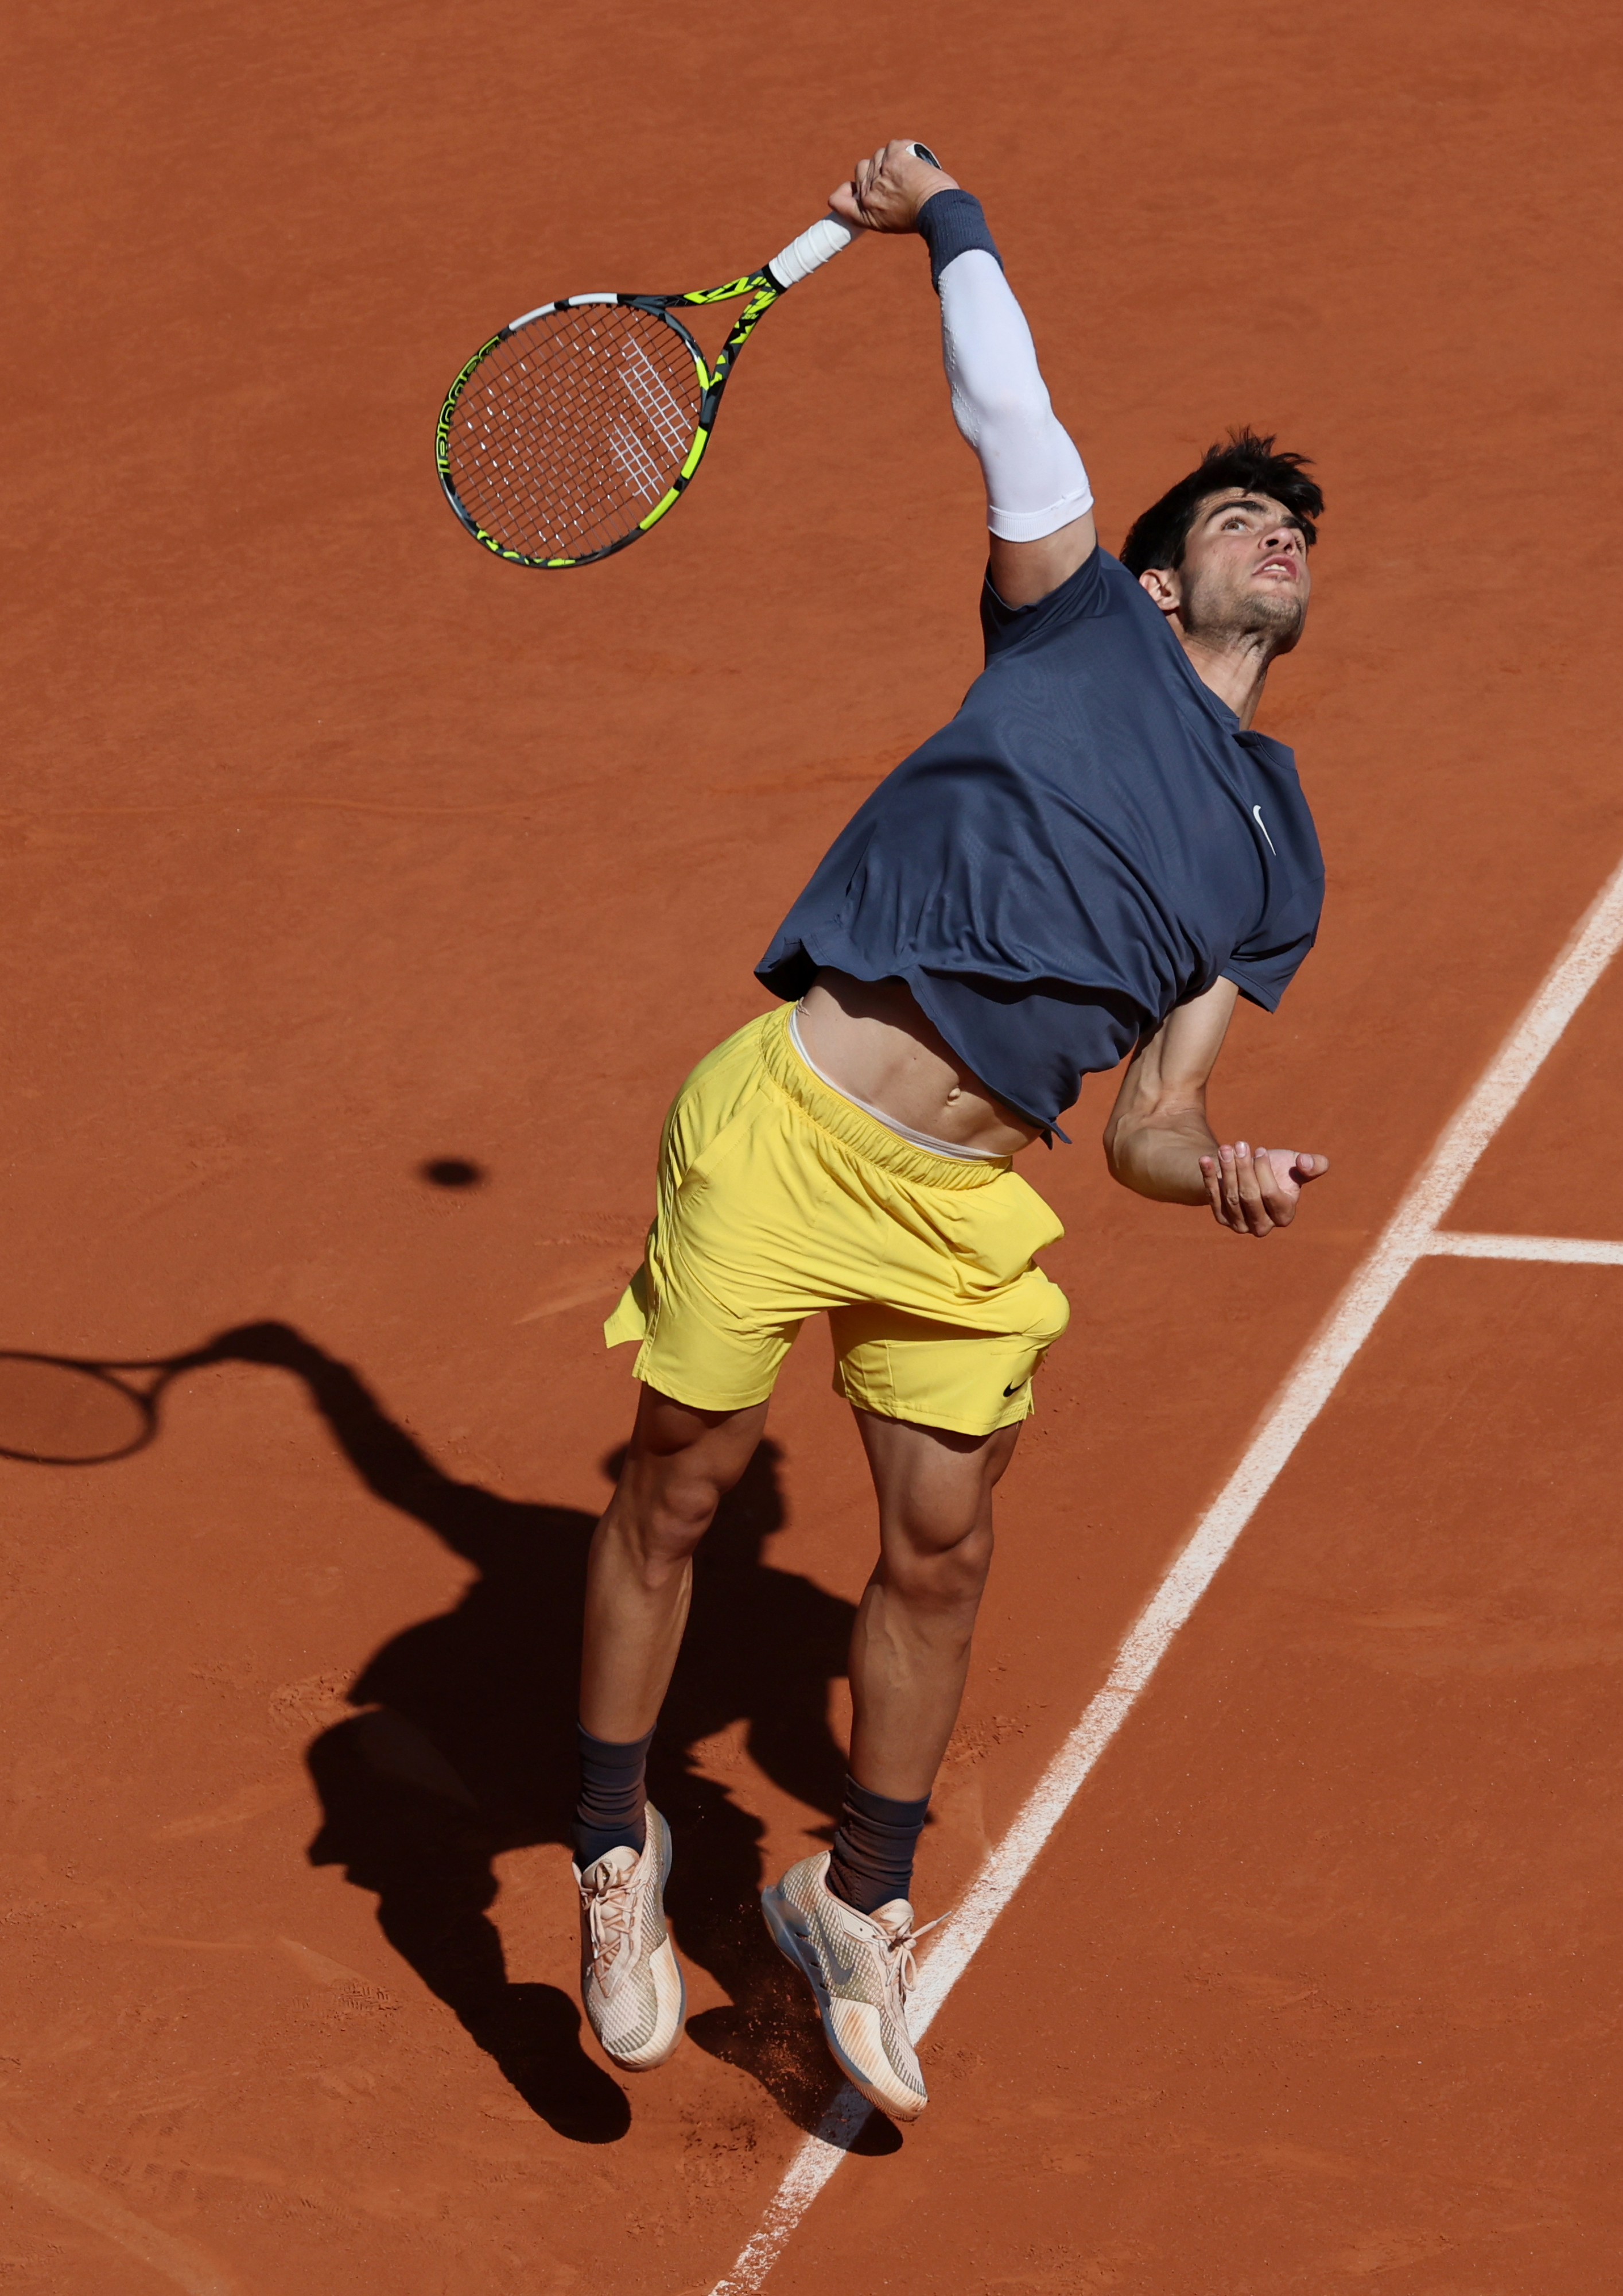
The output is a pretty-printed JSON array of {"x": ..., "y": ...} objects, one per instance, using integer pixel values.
[{"x": 331, "y": 847}]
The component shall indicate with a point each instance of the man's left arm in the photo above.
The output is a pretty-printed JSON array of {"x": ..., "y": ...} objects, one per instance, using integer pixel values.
[{"x": 1160, "y": 1144}]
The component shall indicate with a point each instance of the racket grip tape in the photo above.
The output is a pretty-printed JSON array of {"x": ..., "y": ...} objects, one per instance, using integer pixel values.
[{"x": 808, "y": 253}]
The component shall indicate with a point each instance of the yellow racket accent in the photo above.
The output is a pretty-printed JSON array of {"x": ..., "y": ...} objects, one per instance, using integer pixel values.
[{"x": 578, "y": 427}]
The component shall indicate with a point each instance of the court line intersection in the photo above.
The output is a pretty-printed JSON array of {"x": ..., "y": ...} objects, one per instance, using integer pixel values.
[{"x": 1412, "y": 1233}]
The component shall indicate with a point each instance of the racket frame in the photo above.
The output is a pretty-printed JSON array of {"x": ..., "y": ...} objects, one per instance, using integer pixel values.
[{"x": 763, "y": 291}]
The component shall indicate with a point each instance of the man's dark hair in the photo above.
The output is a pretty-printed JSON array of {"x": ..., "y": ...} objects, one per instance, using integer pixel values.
[{"x": 1159, "y": 537}]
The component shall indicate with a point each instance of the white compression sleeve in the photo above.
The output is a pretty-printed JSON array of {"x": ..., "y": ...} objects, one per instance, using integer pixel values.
[{"x": 1034, "y": 476}]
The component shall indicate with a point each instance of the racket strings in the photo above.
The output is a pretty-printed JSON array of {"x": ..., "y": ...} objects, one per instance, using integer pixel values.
[{"x": 572, "y": 429}]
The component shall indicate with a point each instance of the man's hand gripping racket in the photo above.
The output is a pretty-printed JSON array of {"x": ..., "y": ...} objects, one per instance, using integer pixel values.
[{"x": 578, "y": 427}]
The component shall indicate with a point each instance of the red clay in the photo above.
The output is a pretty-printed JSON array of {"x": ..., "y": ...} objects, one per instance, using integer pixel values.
[{"x": 332, "y": 848}]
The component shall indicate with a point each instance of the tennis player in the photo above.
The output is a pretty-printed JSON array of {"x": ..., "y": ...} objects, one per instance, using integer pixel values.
[{"x": 1091, "y": 862}]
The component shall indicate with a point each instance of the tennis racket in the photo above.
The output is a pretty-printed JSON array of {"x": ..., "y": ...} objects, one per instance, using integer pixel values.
[{"x": 579, "y": 427}]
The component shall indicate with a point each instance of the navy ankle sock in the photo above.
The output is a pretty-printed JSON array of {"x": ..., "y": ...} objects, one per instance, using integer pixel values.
[
  {"x": 874, "y": 1848},
  {"x": 609, "y": 1814}
]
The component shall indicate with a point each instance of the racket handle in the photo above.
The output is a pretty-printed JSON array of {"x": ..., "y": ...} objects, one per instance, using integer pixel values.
[{"x": 810, "y": 252}]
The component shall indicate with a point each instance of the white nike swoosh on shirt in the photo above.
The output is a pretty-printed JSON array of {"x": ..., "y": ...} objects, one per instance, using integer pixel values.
[{"x": 1262, "y": 824}]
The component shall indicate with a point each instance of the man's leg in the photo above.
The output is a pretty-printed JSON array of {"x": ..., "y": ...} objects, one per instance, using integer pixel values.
[
  {"x": 680, "y": 1464},
  {"x": 910, "y": 1646},
  {"x": 844, "y": 1917},
  {"x": 639, "y": 1579},
  {"x": 910, "y": 1649}
]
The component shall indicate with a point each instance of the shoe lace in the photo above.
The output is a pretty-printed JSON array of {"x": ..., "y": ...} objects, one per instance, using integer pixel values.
[
  {"x": 902, "y": 1967},
  {"x": 610, "y": 1908}
]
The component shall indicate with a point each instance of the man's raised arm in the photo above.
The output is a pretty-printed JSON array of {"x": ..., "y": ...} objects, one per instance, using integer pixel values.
[{"x": 1039, "y": 505}]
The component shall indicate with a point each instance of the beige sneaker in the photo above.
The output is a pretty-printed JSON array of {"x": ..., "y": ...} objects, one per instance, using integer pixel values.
[
  {"x": 630, "y": 1980},
  {"x": 860, "y": 1966}
]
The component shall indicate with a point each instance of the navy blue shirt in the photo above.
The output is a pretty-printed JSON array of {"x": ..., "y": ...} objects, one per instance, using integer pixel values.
[{"x": 1089, "y": 842}]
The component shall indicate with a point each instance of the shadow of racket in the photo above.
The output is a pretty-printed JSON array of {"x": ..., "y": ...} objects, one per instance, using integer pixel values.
[{"x": 67, "y": 1411}]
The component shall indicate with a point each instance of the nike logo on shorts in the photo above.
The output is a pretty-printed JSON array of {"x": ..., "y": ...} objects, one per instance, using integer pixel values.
[{"x": 1015, "y": 1389}]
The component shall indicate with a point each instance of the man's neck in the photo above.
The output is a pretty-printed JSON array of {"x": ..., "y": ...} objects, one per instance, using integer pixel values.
[{"x": 1236, "y": 668}]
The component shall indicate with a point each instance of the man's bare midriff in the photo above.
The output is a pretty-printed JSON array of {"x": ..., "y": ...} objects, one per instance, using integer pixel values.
[{"x": 874, "y": 1040}]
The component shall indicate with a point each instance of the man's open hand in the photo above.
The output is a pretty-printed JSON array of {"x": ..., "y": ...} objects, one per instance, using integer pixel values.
[
  {"x": 1253, "y": 1190},
  {"x": 886, "y": 193}
]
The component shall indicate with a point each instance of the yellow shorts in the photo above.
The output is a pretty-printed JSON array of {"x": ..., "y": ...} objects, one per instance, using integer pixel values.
[{"x": 779, "y": 1200}]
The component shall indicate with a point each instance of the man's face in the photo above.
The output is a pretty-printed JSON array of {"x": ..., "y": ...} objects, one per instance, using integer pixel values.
[{"x": 1244, "y": 572}]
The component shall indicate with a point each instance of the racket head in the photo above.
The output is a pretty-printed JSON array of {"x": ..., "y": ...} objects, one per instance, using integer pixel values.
[
  {"x": 57, "y": 1412},
  {"x": 573, "y": 431}
]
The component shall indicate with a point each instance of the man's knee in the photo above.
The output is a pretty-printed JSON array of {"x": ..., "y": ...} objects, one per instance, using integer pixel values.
[
  {"x": 662, "y": 1513},
  {"x": 942, "y": 1567},
  {"x": 669, "y": 1490},
  {"x": 680, "y": 1502}
]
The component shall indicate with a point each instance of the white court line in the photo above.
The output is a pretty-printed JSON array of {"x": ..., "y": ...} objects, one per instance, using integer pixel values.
[
  {"x": 1596, "y": 1250},
  {"x": 92, "y": 2204},
  {"x": 1410, "y": 1234}
]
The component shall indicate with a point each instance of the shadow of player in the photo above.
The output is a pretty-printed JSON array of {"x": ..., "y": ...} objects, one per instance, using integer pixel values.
[{"x": 466, "y": 1750}]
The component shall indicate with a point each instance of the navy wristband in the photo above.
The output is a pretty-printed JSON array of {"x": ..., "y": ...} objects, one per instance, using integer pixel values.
[{"x": 949, "y": 224}]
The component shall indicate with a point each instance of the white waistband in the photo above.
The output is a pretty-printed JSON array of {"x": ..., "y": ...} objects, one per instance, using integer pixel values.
[{"x": 903, "y": 1131}]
